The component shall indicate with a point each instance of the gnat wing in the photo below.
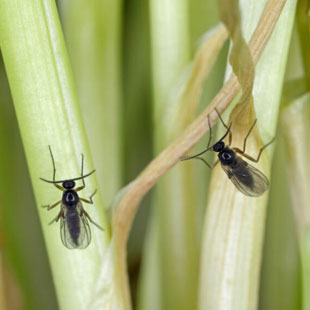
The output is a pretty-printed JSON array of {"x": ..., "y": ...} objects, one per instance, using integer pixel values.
[
  {"x": 74, "y": 229},
  {"x": 87, "y": 233},
  {"x": 248, "y": 180}
]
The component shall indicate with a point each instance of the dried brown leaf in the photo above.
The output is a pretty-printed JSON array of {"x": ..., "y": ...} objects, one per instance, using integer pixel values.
[{"x": 129, "y": 198}]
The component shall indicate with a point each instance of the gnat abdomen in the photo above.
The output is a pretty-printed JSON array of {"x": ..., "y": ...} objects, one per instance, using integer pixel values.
[
  {"x": 73, "y": 223},
  {"x": 240, "y": 170},
  {"x": 245, "y": 177}
]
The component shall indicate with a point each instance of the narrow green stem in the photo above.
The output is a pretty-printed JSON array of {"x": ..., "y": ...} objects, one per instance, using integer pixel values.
[
  {"x": 177, "y": 235},
  {"x": 48, "y": 114},
  {"x": 296, "y": 129}
]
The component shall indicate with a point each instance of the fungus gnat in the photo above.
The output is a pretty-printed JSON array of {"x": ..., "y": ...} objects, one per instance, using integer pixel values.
[
  {"x": 248, "y": 180},
  {"x": 74, "y": 228}
]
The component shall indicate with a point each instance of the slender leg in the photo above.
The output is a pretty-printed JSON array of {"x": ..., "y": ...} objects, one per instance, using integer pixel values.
[
  {"x": 227, "y": 127},
  {"x": 49, "y": 207},
  {"x": 55, "y": 184},
  {"x": 56, "y": 219},
  {"x": 89, "y": 218},
  {"x": 206, "y": 163},
  {"x": 59, "y": 187},
  {"x": 241, "y": 152},
  {"x": 215, "y": 163},
  {"x": 90, "y": 201},
  {"x": 246, "y": 137}
]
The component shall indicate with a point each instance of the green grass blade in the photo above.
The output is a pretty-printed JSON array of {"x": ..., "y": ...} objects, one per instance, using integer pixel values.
[
  {"x": 234, "y": 224},
  {"x": 170, "y": 54},
  {"x": 296, "y": 128},
  {"x": 92, "y": 32},
  {"x": 280, "y": 274},
  {"x": 47, "y": 111},
  {"x": 21, "y": 234}
]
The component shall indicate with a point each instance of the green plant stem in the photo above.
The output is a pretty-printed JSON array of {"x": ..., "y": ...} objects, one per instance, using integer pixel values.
[
  {"x": 296, "y": 127},
  {"x": 23, "y": 243},
  {"x": 234, "y": 224},
  {"x": 181, "y": 180},
  {"x": 280, "y": 280},
  {"x": 127, "y": 203},
  {"x": 137, "y": 106},
  {"x": 92, "y": 32},
  {"x": 170, "y": 54},
  {"x": 47, "y": 111}
]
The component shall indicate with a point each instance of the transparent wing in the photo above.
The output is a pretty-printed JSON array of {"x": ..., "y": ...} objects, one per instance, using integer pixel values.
[
  {"x": 74, "y": 228},
  {"x": 248, "y": 180}
]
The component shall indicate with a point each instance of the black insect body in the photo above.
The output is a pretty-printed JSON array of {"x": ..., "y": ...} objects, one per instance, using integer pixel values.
[
  {"x": 248, "y": 180},
  {"x": 74, "y": 227}
]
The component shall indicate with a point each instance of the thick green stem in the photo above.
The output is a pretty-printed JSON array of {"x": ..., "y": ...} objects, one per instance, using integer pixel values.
[
  {"x": 23, "y": 242},
  {"x": 296, "y": 128},
  {"x": 48, "y": 114},
  {"x": 234, "y": 223}
]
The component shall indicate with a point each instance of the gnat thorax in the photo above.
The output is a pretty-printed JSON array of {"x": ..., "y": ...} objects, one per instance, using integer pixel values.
[
  {"x": 70, "y": 198},
  {"x": 227, "y": 156}
]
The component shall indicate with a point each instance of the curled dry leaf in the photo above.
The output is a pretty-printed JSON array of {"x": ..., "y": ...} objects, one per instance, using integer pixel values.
[
  {"x": 230, "y": 214},
  {"x": 125, "y": 209}
]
